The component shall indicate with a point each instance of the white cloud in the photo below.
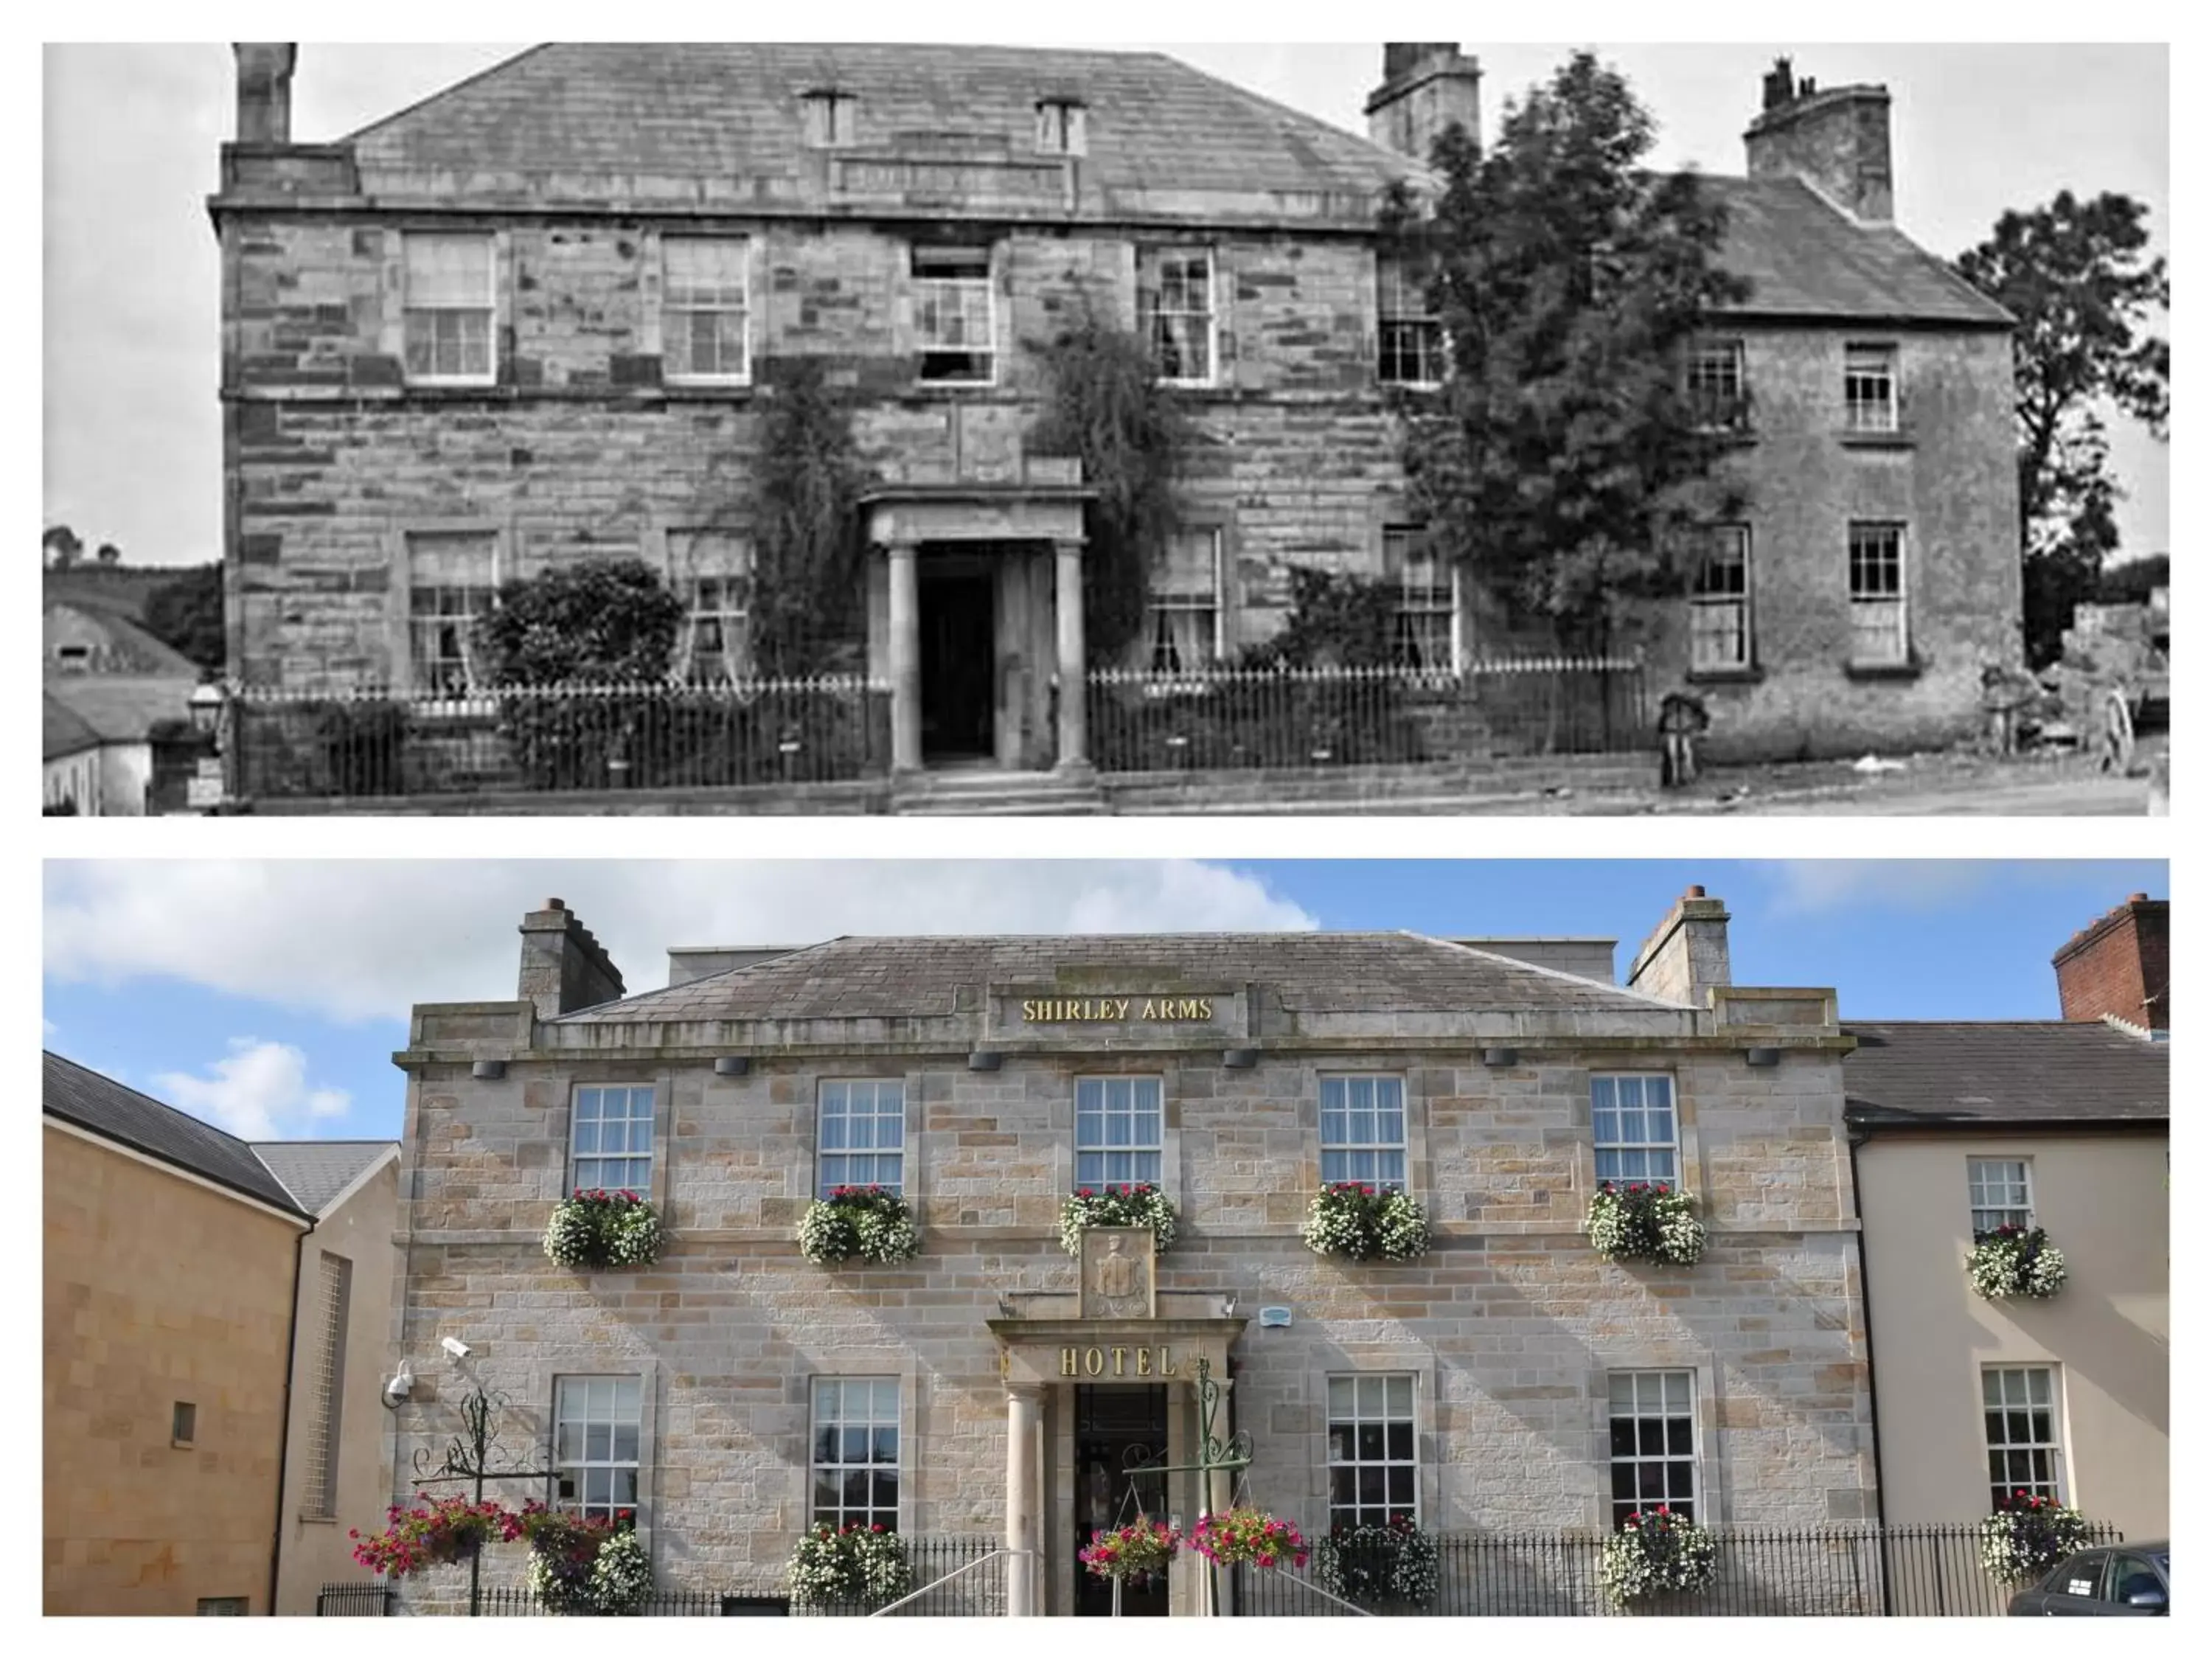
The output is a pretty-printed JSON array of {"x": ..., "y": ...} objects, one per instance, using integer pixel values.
[
  {"x": 259, "y": 1091},
  {"x": 1821, "y": 886},
  {"x": 359, "y": 941}
]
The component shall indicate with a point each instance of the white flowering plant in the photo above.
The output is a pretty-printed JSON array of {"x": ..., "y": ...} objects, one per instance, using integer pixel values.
[
  {"x": 2028, "y": 1535},
  {"x": 1363, "y": 1222},
  {"x": 1391, "y": 1561},
  {"x": 2011, "y": 1260},
  {"x": 866, "y": 1224},
  {"x": 1656, "y": 1552},
  {"x": 849, "y": 1566},
  {"x": 622, "y": 1576},
  {"x": 1134, "y": 1204},
  {"x": 599, "y": 1229},
  {"x": 585, "y": 1566},
  {"x": 1644, "y": 1221}
]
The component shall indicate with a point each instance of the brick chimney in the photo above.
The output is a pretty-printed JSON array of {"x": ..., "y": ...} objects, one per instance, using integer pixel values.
[
  {"x": 1836, "y": 140},
  {"x": 2116, "y": 965},
  {"x": 563, "y": 967},
  {"x": 264, "y": 93},
  {"x": 1426, "y": 88},
  {"x": 1688, "y": 953}
]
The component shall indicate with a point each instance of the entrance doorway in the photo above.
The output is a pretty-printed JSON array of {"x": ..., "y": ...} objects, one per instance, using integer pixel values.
[
  {"x": 1116, "y": 1427},
  {"x": 959, "y": 655}
]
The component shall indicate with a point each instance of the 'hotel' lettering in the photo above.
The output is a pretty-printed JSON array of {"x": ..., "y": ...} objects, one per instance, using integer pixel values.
[{"x": 1091, "y": 1362}]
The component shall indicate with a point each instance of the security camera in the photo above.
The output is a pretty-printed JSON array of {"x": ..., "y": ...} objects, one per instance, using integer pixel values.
[
  {"x": 454, "y": 1346},
  {"x": 401, "y": 1385}
]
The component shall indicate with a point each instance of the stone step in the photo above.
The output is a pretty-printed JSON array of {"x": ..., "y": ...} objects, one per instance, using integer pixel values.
[{"x": 988, "y": 794}]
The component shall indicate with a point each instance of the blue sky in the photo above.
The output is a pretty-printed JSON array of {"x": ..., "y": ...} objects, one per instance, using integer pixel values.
[{"x": 269, "y": 997}]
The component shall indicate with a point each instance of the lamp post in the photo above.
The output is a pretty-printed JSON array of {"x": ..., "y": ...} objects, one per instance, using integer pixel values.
[{"x": 210, "y": 708}]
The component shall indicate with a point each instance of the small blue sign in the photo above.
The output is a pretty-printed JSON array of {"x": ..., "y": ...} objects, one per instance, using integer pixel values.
[{"x": 1274, "y": 1318}]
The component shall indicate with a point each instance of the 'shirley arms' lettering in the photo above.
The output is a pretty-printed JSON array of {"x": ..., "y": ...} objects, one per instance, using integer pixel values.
[{"x": 1046, "y": 1011}]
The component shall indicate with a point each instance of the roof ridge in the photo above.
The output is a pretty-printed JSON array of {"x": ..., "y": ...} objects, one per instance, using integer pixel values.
[
  {"x": 427, "y": 98},
  {"x": 1561, "y": 973},
  {"x": 1302, "y": 117}
]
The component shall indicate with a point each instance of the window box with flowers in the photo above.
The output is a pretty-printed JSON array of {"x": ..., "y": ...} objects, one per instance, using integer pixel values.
[
  {"x": 1136, "y": 1204},
  {"x": 1363, "y": 1222},
  {"x": 1393, "y": 1564},
  {"x": 584, "y": 1567},
  {"x": 1243, "y": 1537},
  {"x": 1644, "y": 1221},
  {"x": 849, "y": 1567},
  {"x": 440, "y": 1532},
  {"x": 1133, "y": 1553},
  {"x": 2011, "y": 1260},
  {"x": 867, "y": 1224},
  {"x": 2030, "y": 1535},
  {"x": 1656, "y": 1552},
  {"x": 595, "y": 1229}
]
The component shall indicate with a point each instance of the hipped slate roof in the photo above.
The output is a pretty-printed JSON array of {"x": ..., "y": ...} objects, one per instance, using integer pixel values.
[
  {"x": 67, "y": 731},
  {"x": 316, "y": 1171},
  {"x": 84, "y": 1098},
  {"x": 2022, "y": 1072},
  {"x": 729, "y": 109},
  {"x": 857, "y": 977},
  {"x": 122, "y": 707}
]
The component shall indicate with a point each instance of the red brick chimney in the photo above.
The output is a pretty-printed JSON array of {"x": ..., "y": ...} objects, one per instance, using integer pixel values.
[
  {"x": 265, "y": 93},
  {"x": 2116, "y": 965},
  {"x": 1835, "y": 139},
  {"x": 563, "y": 967}
]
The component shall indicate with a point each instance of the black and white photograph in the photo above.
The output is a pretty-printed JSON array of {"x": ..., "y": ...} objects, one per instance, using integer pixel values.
[{"x": 1430, "y": 428}]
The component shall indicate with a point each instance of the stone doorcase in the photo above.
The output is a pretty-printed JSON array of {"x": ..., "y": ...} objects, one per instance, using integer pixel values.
[{"x": 1033, "y": 533}]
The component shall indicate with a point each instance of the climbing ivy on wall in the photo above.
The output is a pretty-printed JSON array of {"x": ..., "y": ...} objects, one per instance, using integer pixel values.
[{"x": 809, "y": 598}]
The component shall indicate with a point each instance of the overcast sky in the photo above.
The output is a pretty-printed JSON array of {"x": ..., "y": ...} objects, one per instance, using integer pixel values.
[
  {"x": 133, "y": 450},
  {"x": 267, "y": 997}
]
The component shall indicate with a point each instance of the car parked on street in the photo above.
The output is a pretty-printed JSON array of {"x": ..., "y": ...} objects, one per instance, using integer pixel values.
[{"x": 2115, "y": 1581}]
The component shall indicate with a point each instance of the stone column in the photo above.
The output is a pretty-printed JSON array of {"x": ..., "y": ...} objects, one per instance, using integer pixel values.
[
  {"x": 1025, "y": 1537},
  {"x": 905, "y": 659},
  {"x": 1067, "y": 610}
]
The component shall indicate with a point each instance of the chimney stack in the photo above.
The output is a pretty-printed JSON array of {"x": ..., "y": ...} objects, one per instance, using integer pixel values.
[
  {"x": 1426, "y": 88},
  {"x": 265, "y": 93},
  {"x": 2116, "y": 965},
  {"x": 1837, "y": 141},
  {"x": 1688, "y": 953},
  {"x": 563, "y": 967}
]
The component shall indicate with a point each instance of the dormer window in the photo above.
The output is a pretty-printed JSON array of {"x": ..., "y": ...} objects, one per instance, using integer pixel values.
[
  {"x": 1059, "y": 126},
  {"x": 828, "y": 117}
]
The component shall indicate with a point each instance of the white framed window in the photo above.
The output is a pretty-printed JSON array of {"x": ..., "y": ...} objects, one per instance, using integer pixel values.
[
  {"x": 1871, "y": 388},
  {"x": 953, "y": 316},
  {"x": 1996, "y": 1188},
  {"x": 1632, "y": 1126},
  {"x": 595, "y": 1444},
  {"x": 1714, "y": 380},
  {"x": 1061, "y": 127},
  {"x": 1720, "y": 600},
  {"x": 856, "y": 1451},
  {"x": 1174, "y": 309},
  {"x": 2020, "y": 1424},
  {"x": 828, "y": 117},
  {"x": 318, "y": 1486},
  {"x": 453, "y": 579},
  {"x": 448, "y": 307},
  {"x": 1425, "y": 627},
  {"x": 1183, "y": 624},
  {"x": 1374, "y": 1474},
  {"x": 713, "y": 571},
  {"x": 1652, "y": 1420},
  {"x": 1363, "y": 1130},
  {"x": 860, "y": 1134},
  {"x": 1117, "y": 1131},
  {"x": 705, "y": 309},
  {"x": 1409, "y": 336},
  {"x": 610, "y": 1140},
  {"x": 1879, "y": 636}
]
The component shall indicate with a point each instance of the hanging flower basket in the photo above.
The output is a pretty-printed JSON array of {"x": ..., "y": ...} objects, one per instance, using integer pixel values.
[
  {"x": 1133, "y": 1553},
  {"x": 1135, "y": 1205},
  {"x": 1362, "y": 1222},
  {"x": 2015, "y": 1260},
  {"x": 1656, "y": 1552},
  {"x": 866, "y": 1224},
  {"x": 850, "y": 1566},
  {"x": 1236, "y": 1537},
  {"x": 566, "y": 1554},
  {"x": 598, "y": 1229},
  {"x": 439, "y": 1532},
  {"x": 2029, "y": 1536},
  {"x": 1393, "y": 1563},
  {"x": 1644, "y": 1221}
]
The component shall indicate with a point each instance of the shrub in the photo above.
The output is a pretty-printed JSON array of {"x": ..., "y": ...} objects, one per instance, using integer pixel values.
[
  {"x": 1644, "y": 1221},
  {"x": 1370, "y": 1565},
  {"x": 1357, "y": 1221},
  {"x": 2030, "y": 1535},
  {"x": 2015, "y": 1260},
  {"x": 599, "y": 1229},
  {"x": 1135, "y": 1204},
  {"x": 853, "y": 1566},
  {"x": 867, "y": 1222},
  {"x": 1656, "y": 1552}
]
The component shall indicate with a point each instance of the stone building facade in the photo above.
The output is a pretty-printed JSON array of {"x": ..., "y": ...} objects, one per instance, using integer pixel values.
[
  {"x": 515, "y": 324},
  {"x": 1496, "y": 1378}
]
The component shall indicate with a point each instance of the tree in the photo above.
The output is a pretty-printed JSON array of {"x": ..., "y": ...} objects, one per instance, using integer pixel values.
[
  {"x": 2077, "y": 276},
  {"x": 1104, "y": 405},
  {"x": 599, "y": 622},
  {"x": 63, "y": 543},
  {"x": 808, "y": 582},
  {"x": 1563, "y": 453},
  {"x": 187, "y": 613}
]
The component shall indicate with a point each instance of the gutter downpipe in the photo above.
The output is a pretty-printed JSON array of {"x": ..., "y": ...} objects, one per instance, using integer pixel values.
[
  {"x": 1856, "y": 1136},
  {"x": 284, "y": 1422}
]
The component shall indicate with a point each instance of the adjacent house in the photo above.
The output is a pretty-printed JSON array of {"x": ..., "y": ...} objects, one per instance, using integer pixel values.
[
  {"x": 215, "y": 1314},
  {"x": 521, "y": 323},
  {"x": 108, "y": 684}
]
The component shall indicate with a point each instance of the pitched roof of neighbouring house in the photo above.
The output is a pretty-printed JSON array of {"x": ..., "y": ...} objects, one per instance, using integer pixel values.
[
  {"x": 316, "y": 1171},
  {"x": 2018, "y": 1071},
  {"x": 67, "y": 731},
  {"x": 857, "y": 977},
  {"x": 78, "y": 1095},
  {"x": 124, "y": 707},
  {"x": 131, "y": 648}
]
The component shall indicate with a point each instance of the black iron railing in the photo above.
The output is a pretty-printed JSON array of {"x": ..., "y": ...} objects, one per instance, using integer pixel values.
[
  {"x": 934, "y": 1559},
  {"x": 370, "y": 1601}
]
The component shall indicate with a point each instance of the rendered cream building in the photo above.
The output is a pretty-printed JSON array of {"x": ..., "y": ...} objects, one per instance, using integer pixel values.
[{"x": 735, "y": 1393}]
